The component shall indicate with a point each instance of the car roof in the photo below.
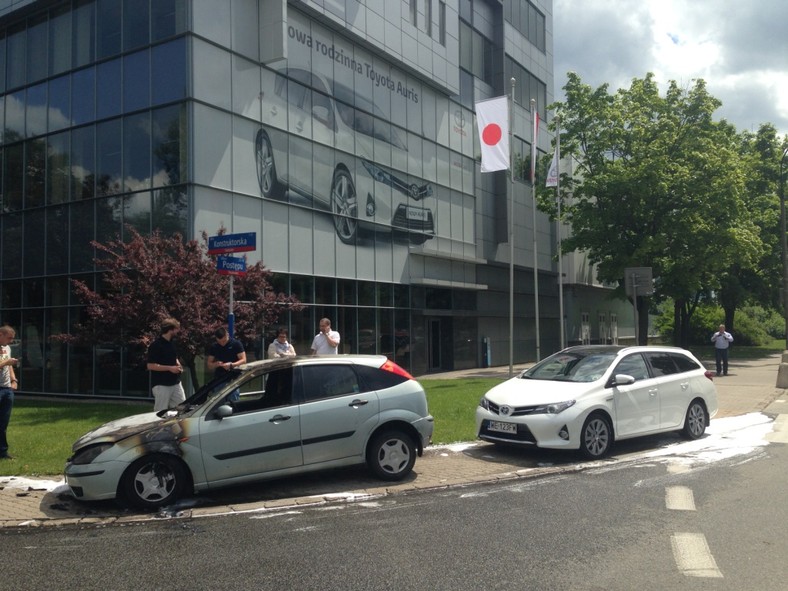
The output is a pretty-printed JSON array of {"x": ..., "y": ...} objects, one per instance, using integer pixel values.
[
  {"x": 597, "y": 349},
  {"x": 284, "y": 362}
]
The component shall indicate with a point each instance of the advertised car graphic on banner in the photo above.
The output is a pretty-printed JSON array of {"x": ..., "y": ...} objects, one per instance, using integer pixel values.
[{"x": 328, "y": 157}]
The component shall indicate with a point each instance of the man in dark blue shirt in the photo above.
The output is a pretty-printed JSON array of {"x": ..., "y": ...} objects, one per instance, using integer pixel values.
[
  {"x": 225, "y": 354},
  {"x": 165, "y": 368}
]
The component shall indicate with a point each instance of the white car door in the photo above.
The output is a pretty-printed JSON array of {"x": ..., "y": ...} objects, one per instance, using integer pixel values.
[
  {"x": 637, "y": 404},
  {"x": 262, "y": 435}
]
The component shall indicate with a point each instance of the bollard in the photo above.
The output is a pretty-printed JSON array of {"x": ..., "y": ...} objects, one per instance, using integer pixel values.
[{"x": 782, "y": 372}]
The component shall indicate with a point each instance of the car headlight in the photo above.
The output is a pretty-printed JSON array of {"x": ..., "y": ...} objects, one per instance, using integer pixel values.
[
  {"x": 90, "y": 453},
  {"x": 484, "y": 403},
  {"x": 558, "y": 407}
]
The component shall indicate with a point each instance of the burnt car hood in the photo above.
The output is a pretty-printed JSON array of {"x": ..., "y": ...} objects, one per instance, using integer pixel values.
[{"x": 120, "y": 429}]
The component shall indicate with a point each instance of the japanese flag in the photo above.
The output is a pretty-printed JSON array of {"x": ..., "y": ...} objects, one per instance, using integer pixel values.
[{"x": 492, "y": 118}]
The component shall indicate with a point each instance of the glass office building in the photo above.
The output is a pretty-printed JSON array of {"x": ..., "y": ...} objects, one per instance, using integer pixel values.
[{"x": 340, "y": 132}]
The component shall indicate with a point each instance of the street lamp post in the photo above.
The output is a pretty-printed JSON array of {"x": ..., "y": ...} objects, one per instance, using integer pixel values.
[{"x": 784, "y": 243}]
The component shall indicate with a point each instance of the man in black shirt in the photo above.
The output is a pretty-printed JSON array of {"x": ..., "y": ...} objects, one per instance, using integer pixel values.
[
  {"x": 165, "y": 368},
  {"x": 225, "y": 354}
]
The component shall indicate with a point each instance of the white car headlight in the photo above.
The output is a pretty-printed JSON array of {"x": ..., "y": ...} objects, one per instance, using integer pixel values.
[
  {"x": 484, "y": 403},
  {"x": 558, "y": 407}
]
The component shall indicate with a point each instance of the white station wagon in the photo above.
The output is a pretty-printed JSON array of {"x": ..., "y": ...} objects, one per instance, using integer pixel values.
[
  {"x": 294, "y": 415},
  {"x": 587, "y": 397}
]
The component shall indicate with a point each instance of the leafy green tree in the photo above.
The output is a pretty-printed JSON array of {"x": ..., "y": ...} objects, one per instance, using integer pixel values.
[
  {"x": 147, "y": 279},
  {"x": 657, "y": 184}
]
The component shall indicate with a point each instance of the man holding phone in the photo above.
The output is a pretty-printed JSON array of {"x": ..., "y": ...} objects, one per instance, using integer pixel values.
[
  {"x": 722, "y": 340},
  {"x": 326, "y": 342}
]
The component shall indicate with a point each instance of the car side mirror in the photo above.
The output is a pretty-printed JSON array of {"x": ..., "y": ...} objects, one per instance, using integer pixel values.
[
  {"x": 622, "y": 379},
  {"x": 224, "y": 411}
]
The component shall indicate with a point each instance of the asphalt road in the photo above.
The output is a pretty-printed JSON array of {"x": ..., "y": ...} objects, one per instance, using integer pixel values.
[{"x": 648, "y": 522}]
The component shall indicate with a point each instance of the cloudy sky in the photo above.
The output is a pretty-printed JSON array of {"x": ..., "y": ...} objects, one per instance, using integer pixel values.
[{"x": 739, "y": 47}]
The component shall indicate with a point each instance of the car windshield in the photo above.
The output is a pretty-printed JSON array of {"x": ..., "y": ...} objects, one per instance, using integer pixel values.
[
  {"x": 207, "y": 391},
  {"x": 571, "y": 367}
]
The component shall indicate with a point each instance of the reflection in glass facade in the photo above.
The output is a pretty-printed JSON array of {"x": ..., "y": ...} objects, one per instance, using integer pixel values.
[{"x": 354, "y": 160}]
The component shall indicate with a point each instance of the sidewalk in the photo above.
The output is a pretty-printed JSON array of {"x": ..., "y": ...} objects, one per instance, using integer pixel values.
[{"x": 749, "y": 387}]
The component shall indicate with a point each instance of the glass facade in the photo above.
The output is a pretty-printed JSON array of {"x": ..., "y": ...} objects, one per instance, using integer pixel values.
[{"x": 354, "y": 160}]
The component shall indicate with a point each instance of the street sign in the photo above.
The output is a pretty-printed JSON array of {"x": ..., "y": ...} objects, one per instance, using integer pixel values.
[
  {"x": 638, "y": 281},
  {"x": 245, "y": 242},
  {"x": 227, "y": 265}
]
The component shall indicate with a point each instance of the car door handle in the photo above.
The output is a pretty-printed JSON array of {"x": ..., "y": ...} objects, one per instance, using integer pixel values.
[
  {"x": 358, "y": 402},
  {"x": 684, "y": 385},
  {"x": 653, "y": 391},
  {"x": 279, "y": 418}
]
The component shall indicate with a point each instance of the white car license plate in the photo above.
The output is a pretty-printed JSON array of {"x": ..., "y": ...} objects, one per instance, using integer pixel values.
[
  {"x": 415, "y": 213},
  {"x": 502, "y": 427}
]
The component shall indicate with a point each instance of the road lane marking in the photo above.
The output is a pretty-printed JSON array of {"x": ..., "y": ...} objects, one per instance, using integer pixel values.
[
  {"x": 693, "y": 556},
  {"x": 679, "y": 498}
]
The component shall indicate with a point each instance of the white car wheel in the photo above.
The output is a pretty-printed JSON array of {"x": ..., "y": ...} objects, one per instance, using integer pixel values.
[
  {"x": 696, "y": 421},
  {"x": 596, "y": 437}
]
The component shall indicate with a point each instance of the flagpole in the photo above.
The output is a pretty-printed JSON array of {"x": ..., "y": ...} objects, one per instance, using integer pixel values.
[
  {"x": 558, "y": 204},
  {"x": 511, "y": 234},
  {"x": 533, "y": 196}
]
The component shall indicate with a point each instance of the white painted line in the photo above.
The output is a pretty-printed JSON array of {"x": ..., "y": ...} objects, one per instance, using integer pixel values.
[
  {"x": 693, "y": 556},
  {"x": 679, "y": 498},
  {"x": 779, "y": 433}
]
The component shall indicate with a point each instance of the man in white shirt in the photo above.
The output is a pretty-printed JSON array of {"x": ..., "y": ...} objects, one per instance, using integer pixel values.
[
  {"x": 722, "y": 340},
  {"x": 326, "y": 342}
]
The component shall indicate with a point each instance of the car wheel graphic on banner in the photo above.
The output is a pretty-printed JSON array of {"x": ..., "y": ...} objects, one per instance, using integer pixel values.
[{"x": 361, "y": 195}]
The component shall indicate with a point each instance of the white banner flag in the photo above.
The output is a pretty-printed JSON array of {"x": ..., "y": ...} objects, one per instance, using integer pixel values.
[
  {"x": 492, "y": 118},
  {"x": 552, "y": 173}
]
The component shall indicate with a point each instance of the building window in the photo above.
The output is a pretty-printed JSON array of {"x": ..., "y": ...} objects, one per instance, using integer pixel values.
[
  {"x": 527, "y": 20},
  {"x": 414, "y": 12},
  {"x": 428, "y": 16}
]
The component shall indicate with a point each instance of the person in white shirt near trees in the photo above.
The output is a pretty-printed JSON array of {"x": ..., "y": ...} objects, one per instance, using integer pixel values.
[{"x": 722, "y": 340}]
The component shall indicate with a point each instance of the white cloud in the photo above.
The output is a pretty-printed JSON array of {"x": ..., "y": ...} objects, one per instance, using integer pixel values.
[{"x": 740, "y": 49}]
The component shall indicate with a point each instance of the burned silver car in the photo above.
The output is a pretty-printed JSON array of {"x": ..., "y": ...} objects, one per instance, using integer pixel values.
[{"x": 294, "y": 415}]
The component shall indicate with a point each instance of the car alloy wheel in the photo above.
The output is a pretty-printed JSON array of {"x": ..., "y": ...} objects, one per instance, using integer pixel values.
[
  {"x": 344, "y": 206},
  {"x": 266, "y": 167},
  {"x": 391, "y": 455},
  {"x": 595, "y": 438},
  {"x": 153, "y": 481},
  {"x": 696, "y": 421}
]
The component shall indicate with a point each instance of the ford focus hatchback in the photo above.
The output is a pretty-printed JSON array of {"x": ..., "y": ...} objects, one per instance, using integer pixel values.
[
  {"x": 294, "y": 415},
  {"x": 586, "y": 397}
]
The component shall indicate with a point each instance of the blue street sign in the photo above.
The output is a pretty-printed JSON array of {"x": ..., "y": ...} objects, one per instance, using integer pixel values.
[
  {"x": 227, "y": 265},
  {"x": 232, "y": 243}
]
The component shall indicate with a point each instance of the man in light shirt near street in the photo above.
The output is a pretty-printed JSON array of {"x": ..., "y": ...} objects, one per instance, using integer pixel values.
[{"x": 722, "y": 340}]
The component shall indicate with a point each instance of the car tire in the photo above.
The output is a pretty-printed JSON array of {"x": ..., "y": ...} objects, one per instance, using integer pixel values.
[
  {"x": 391, "y": 455},
  {"x": 696, "y": 420},
  {"x": 596, "y": 437},
  {"x": 153, "y": 481},
  {"x": 344, "y": 206},
  {"x": 266, "y": 167}
]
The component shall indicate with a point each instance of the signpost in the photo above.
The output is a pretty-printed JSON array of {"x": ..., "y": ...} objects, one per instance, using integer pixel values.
[
  {"x": 638, "y": 281},
  {"x": 229, "y": 265}
]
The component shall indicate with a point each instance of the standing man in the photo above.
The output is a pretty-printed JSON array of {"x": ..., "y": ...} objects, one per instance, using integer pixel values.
[
  {"x": 225, "y": 354},
  {"x": 165, "y": 367},
  {"x": 722, "y": 341},
  {"x": 8, "y": 383},
  {"x": 326, "y": 342}
]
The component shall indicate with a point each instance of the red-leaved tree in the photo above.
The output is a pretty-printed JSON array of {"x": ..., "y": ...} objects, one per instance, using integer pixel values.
[{"x": 149, "y": 278}]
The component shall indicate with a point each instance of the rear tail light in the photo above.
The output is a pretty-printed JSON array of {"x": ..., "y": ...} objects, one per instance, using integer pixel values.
[
  {"x": 394, "y": 368},
  {"x": 709, "y": 374}
]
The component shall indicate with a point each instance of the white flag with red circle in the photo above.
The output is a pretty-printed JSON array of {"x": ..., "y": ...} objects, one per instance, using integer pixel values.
[{"x": 492, "y": 118}]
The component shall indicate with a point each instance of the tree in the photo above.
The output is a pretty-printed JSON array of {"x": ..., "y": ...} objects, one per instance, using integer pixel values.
[
  {"x": 151, "y": 278},
  {"x": 657, "y": 184}
]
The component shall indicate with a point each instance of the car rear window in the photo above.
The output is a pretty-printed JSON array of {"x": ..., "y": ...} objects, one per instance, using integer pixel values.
[
  {"x": 661, "y": 364},
  {"x": 328, "y": 381},
  {"x": 684, "y": 363},
  {"x": 373, "y": 378}
]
